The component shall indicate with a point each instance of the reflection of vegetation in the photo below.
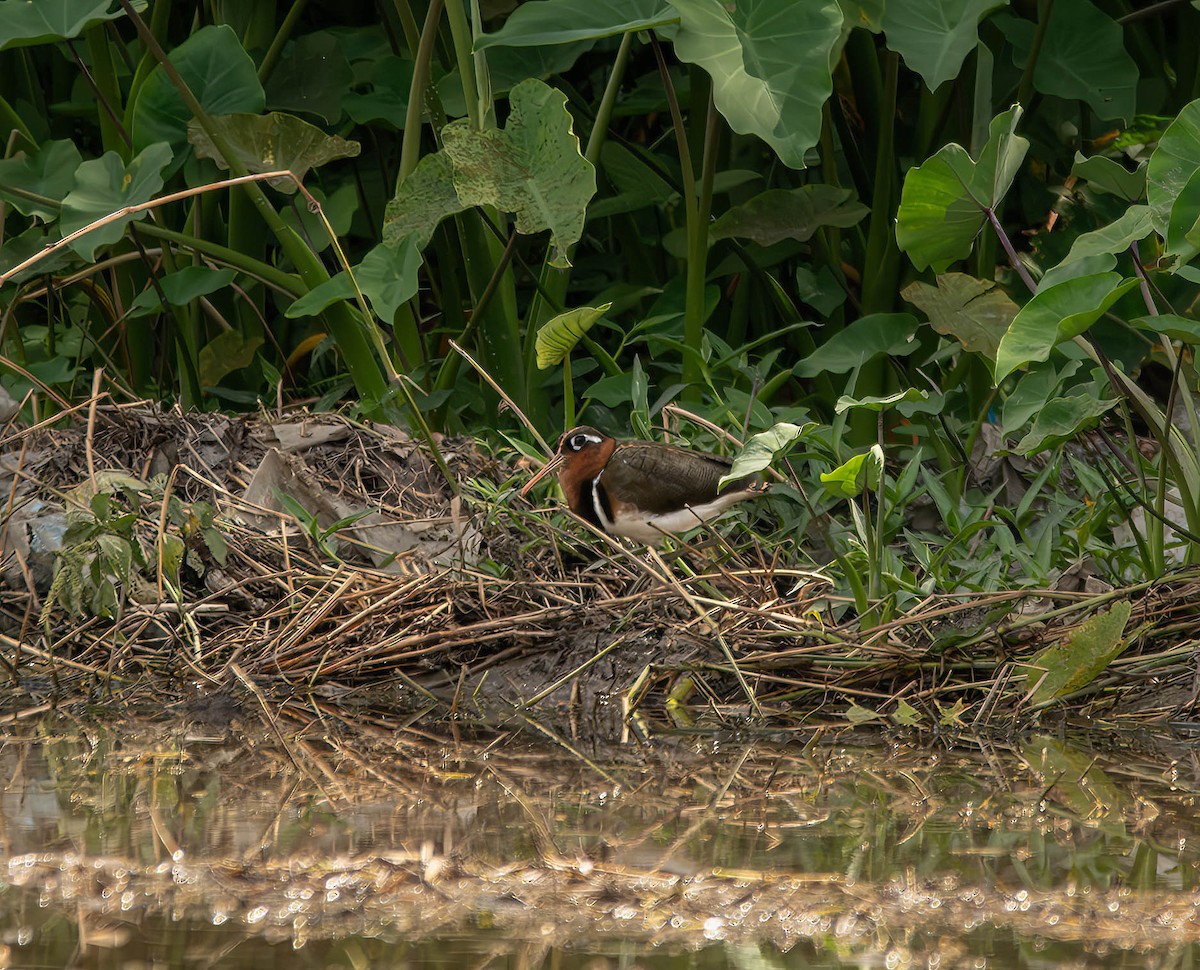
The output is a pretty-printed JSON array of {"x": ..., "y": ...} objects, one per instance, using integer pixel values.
[{"x": 775, "y": 845}]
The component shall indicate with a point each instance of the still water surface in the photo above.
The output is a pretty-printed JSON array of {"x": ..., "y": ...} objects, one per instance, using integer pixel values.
[{"x": 153, "y": 846}]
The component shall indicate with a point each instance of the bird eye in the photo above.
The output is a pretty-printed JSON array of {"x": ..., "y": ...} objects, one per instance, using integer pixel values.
[{"x": 579, "y": 442}]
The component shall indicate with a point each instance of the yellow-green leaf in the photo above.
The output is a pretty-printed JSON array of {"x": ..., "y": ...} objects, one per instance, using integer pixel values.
[{"x": 559, "y": 335}]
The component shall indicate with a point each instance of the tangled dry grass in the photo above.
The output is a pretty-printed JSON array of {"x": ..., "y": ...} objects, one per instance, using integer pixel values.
[{"x": 391, "y": 600}]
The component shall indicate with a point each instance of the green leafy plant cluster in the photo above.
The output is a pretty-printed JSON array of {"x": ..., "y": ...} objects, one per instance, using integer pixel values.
[
  {"x": 919, "y": 226},
  {"x": 122, "y": 544}
]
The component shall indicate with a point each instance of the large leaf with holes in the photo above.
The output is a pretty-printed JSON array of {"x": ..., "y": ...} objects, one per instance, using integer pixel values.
[
  {"x": 105, "y": 185},
  {"x": 769, "y": 62},
  {"x": 532, "y": 168},
  {"x": 565, "y": 21},
  {"x": 977, "y": 313},
  {"x": 219, "y": 73},
  {"x": 935, "y": 36},
  {"x": 1055, "y": 314},
  {"x": 1082, "y": 57},
  {"x": 779, "y": 214},
  {"x": 422, "y": 200},
  {"x": 944, "y": 202},
  {"x": 271, "y": 143},
  {"x": 24, "y": 23},
  {"x": 35, "y": 184}
]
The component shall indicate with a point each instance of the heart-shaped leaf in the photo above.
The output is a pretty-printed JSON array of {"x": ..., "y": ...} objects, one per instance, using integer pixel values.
[
  {"x": 977, "y": 313},
  {"x": 35, "y": 184},
  {"x": 935, "y": 36},
  {"x": 761, "y": 449},
  {"x": 1055, "y": 314},
  {"x": 779, "y": 214},
  {"x": 271, "y": 143},
  {"x": 106, "y": 185},
  {"x": 944, "y": 202},
  {"x": 566, "y": 21},
  {"x": 769, "y": 63}
]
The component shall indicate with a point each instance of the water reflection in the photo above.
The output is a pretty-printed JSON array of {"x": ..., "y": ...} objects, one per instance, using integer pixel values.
[{"x": 144, "y": 846}]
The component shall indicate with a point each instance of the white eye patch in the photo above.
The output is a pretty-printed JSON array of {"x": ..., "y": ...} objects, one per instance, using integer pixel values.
[{"x": 580, "y": 441}]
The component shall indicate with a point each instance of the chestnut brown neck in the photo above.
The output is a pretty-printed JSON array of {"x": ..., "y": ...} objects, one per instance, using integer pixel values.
[{"x": 578, "y": 473}]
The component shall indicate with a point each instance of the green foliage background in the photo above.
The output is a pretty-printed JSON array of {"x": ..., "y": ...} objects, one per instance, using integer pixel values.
[{"x": 824, "y": 213}]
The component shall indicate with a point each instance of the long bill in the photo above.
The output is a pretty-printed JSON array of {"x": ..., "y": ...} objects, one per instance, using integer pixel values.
[{"x": 551, "y": 466}]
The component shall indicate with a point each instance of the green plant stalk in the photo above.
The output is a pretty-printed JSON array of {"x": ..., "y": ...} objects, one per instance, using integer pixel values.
[
  {"x": 568, "y": 394},
  {"x": 408, "y": 23},
  {"x": 460, "y": 33},
  {"x": 410, "y": 149},
  {"x": 881, "y": 263},
  {"x": 113, "y": 136},
  {"x": 1025, "y": 89},
  {"x": 10, "y": 121},
  {"x": 282, "y": 36},
  {"x": 694, "y": 370},
  {"x": 287, "y": 282},
  {"x": 693, "y": 313},
  {"x": 348, "y": 330},
  {"x": 160, "y": 16},
  {"x": 552, "y": 294}
]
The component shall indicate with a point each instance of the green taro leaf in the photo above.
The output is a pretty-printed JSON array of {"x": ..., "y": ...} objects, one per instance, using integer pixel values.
[
  {"x": 876, "y": 403},
  {"x": 975, "y": 312},
  {"x": 219, "y": 73},
  {"x": 183, "y": 286},
  {"x": 387, "y": 276},
  {"x": 1183, "y": 225},
  {"x": 271, "y": 143},
  {"x": 935, "y": 36},
  {"x": 1074, "y": 662},
  {"x": 558, "y": 336},
  {"x": 1134, "y": 225},
  {"x": 105, "y": 185},
  {"x": 565, "y": 21},
  {"x": 312, "y": 76},
  {"x": 850, "y": 478},
  {"x": 228, "y": 351},
  {"x": 944, "y": 202},
  {"x": 35, "y": 184},
  {"x": 1033, "y": 389},
  {"x": 1172, "y": 165},
  {"x": 1062, "y": 418},
  {"x": 761, "y": 449},
  {"x": 422, "y": 200},
  {"x": 1055, "y": 314},
  {"x": 779, "y": 214},
  {"x": 387, "y": 100},
  {"x": 769, "y": 63},
  {"x": 1109, "y": 175},
  {"x": 893, "y": 334},
  {"x": 533, "y": 168},
  {"x": 1172, "y": 326},
  {"x": 1082, "y": 58},
  {"x": 24, "y": 23}
]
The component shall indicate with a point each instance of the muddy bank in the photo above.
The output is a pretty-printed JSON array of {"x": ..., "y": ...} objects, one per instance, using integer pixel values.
[{"x": 319, "y": 566}]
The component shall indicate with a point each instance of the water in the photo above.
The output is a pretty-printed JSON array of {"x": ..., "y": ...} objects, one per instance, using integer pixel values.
[{"x": 149, "y": 846}]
